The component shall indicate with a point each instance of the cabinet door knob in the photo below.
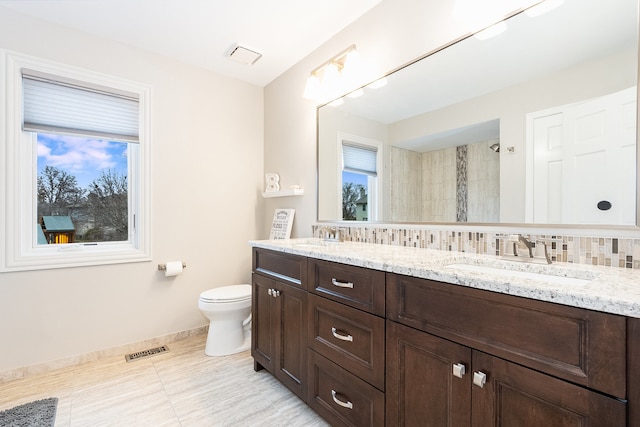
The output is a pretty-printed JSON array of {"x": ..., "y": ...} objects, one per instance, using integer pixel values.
[
  {"x": 459, "y": 370},
  {"x": 479, "y": 378},
  {"x": 275, "y": 293},
  {"x": 341, "y": 284},
  {"x": 346, "y": 404},
  {"x": 340, "y": 336},
  {"x": 270, "y": 292}
]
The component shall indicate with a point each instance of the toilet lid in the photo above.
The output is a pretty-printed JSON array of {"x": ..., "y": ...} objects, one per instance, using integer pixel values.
[{"x": 227, "y": 294}]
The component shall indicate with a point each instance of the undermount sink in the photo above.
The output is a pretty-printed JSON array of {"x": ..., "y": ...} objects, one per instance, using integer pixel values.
[{"x": 561, "y": 278}]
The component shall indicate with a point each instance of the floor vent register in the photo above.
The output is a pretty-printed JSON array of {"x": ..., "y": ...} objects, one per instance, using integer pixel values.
[{"x": 146, "y": 353}]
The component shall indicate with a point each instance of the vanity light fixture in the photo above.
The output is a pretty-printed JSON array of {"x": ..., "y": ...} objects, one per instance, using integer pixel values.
[{"x": 334, "y": 77}]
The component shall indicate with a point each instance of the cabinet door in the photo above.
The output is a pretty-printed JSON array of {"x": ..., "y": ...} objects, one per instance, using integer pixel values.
[
  {"x": 421, "y": 389},
  {"x": 263, "y": 324},
  {"x": 517, "y": 396},
  {"x": 290, "y": 337}
]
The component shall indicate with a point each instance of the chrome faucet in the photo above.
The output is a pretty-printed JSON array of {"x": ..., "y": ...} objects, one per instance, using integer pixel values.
[
  {"x": 546, "y": 251},
  {"x": 520, "y": 240},
  {"x": 330, "y": 234},
  {"x": 527, "y": 243}
]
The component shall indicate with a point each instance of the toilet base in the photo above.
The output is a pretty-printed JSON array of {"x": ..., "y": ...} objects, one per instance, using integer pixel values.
[{"x": 214, "y": 348}]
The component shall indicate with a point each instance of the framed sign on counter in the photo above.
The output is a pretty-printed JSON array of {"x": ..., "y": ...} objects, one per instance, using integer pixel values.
[{"x": 282, "y": 223}]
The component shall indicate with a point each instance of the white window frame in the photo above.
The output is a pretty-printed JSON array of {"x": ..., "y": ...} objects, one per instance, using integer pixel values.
[
  {"x": 374, "y": 195},
  {"x": 18, "y": 208}
]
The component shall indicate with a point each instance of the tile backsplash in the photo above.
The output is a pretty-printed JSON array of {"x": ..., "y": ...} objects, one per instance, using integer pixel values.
[{"x": 605, "y": 251}]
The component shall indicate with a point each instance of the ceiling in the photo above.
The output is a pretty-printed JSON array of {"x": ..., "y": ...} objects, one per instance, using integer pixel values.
[{"x": 203, "y": 32}]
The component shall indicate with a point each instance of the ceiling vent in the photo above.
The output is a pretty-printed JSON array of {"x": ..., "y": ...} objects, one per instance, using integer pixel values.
[{"x": 245, "y": 56}]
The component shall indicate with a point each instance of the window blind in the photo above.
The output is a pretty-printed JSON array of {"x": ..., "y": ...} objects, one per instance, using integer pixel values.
[
  {"x": 359, "y": 159},
  {"x": 53, "y": 105}
]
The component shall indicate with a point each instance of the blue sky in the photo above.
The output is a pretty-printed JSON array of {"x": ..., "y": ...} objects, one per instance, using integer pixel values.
[
  {"x": 356, "y": 178},
  {"x": 81, "y": 157}
]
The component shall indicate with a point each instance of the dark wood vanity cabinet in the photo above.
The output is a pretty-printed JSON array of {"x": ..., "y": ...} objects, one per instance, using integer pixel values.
[
  {"x": 478, "y": 358},
  {"x": 279, "y": 318},
  {"x": 368, "y": 348}
]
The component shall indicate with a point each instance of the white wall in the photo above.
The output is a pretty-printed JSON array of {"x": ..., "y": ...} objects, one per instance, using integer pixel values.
[{"x": 207, "y": 152}]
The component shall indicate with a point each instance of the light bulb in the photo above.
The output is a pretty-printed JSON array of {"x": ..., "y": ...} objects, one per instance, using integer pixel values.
[
  {"x": 331, "y": 75},
  {"x": 312, "y": 88}
]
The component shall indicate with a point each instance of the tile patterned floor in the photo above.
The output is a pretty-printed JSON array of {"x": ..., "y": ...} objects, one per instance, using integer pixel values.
[{"x": 180, "y": 388}]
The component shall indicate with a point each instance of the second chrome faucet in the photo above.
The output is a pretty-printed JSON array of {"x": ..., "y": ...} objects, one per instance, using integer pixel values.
[{"x": 518, "y": 240}]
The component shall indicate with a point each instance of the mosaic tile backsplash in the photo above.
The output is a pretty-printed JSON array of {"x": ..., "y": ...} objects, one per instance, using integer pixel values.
[{"x": 604, "y": 251}]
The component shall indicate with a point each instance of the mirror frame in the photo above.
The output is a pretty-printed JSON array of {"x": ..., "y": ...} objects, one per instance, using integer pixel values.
[{"x": 498, "y": 226}]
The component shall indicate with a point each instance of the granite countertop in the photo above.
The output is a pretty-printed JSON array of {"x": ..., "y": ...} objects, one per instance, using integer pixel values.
[{"x": 606, "y": 289}]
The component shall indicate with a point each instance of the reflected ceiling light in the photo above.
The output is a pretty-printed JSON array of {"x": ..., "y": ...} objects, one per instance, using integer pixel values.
[
  {"x": 356, "y": 93},
  {"x": 543, "y": 7},
  {"x": 337, "y": 102},
  {"x": 378, "y": 83},
  {"x": 491, "y": 31},
  {"x": 335, "y": 77}
]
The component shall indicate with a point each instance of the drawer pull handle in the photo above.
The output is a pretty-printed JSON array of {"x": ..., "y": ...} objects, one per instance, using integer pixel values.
[
  {"x": 479, "y": 378},
  {"x": 342, "y": 284},
  {"x": 346, "y": 404},
  {"x": 340, "y": 336}
]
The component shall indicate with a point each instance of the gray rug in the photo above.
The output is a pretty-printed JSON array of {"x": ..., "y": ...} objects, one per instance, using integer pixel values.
[{"x": 40, "y": 413}]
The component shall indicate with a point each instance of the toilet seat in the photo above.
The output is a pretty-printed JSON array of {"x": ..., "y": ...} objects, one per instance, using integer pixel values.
[{"x": 227, "y": 294}]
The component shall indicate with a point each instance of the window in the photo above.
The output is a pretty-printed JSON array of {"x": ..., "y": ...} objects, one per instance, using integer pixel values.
[
  {"x": 76, "y": 152},
  {"x": 361, "y": 159}
]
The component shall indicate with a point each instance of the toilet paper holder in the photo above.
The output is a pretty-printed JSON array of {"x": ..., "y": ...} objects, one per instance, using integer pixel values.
[{"x": 164, "y": 266}]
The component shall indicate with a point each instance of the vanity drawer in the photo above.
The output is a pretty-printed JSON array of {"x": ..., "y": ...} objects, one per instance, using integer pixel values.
[
  {"x": 579, "y": 345},
  {"x": 340, "y": 397},
  {"x": 280, "y": 266},
  {"x": 351, "y": 338},
  {"x": 354, "y": 286}
]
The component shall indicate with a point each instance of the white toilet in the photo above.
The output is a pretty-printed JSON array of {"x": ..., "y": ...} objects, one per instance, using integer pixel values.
[{"x": 229, "y": 310}]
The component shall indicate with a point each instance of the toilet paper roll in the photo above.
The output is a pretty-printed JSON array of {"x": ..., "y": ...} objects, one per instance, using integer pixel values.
[{"x": 173, "y": 268}]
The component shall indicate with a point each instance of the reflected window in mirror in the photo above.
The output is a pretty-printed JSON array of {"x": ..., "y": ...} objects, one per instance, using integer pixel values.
[{"x": 361, "y": 160}]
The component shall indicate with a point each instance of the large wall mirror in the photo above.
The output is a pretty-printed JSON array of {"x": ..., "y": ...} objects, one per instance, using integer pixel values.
[{"x": 534, "y": 126}]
